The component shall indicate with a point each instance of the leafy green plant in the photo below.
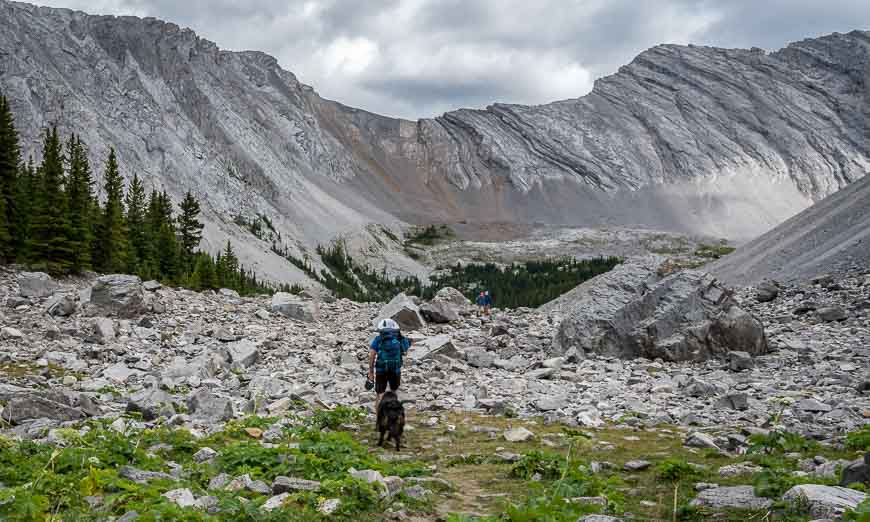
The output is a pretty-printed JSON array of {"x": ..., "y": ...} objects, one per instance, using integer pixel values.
[
  {"x": 546, "y": 465},
  {"x": 335, "y": 418},
  {"x": 773, "y": 483},
  {"x": 675, "y": 469},
  {"x": 779, "y": 442},
  {"x": 859, "y": 439},
  {"x": 859, "y": 514}
]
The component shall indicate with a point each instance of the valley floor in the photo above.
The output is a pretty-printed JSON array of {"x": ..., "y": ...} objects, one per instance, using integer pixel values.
[{"x": 182, "y": 364}]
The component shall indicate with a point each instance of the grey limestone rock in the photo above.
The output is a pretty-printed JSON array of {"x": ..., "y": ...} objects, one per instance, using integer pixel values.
[
  {"x": 731, "y": 497},
  {"x": 294, "y": 307},
  {"x": 636, "y": 310},
  {"x": 118, "y": 294},
  {"x": 36, "y": 284}
]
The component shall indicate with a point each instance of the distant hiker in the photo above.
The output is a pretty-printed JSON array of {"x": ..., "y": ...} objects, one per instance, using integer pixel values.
[
  {"x": 385, "y": 358},
  {"x": 481, "y": 302},
  {"x": 487, "y": 302}
]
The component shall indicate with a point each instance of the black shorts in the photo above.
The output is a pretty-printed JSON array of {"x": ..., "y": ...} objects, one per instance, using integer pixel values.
[{"x": 381, "y": 380}]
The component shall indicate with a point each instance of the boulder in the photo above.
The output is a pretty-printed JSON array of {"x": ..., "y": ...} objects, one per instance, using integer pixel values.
[
  {"x": 478, "y": 357},
  {"x": 292, "y": 484},
  {"x": 243, "y": 353},
  {"x": 738, "y": 361},
  {"x": 454, "y": 298},
  {"x": 275, "y": 502},
  {"x": 432, "y": 346},
  {"x": 152, "y": 286},
  {"x": 36, "y": 284},
  {"x": 295, "y": 307},
  {"x": 143, "y": 477},
  {"x": 733, "y": 401},
  {"x": 151, "y": 403},
  {"x": 182, "y": 497},
  {"x": 767, "y": 292},
  {"x": 103, "y": 330},
  {"x": 119, "y": 294},
  {"x": 733, "y": 497},
  {"x": 831, "y": 314},
  {"x": 599, "y": 518},
  {"x": 635, "y": 311},
  {"x": 825, "y": 501},
  {"x": 439, "y": 312},
  {"x": 204, "y": 404},
  {"x": 700, "y": 440},
  {"x": 857, "y": 472},
  {"x": 518, "y": 435},
  {"x": 31, "y": 406},
  {"x": 61, "y": 306},
  {"x": 402, "y": 310}
]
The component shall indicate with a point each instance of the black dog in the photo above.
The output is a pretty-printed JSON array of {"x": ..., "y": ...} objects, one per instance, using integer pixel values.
[{"x": 391, "y": 418}]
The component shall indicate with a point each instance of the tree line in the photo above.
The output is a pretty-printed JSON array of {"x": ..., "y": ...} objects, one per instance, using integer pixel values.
[
  {"x": 529, "y": 284},
  {"x": 51, "y": 220}
]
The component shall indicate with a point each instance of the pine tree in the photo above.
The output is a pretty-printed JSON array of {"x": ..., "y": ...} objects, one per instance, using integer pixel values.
[
  {"x": 80, "y": 201},
  {"x": 189, "y": 228},
  {"x": 10, "y": 235},
  {"x": 49, "y": 246},
  {"x": 112, "y": 246},
  {"x": 136, "y": 224}
]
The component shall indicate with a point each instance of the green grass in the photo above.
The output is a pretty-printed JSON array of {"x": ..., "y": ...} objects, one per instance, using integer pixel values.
[{"x": 554, "y": 466}]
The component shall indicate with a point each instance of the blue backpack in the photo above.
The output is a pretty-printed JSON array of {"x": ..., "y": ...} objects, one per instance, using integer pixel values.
[{"x": 390, "y": 352}]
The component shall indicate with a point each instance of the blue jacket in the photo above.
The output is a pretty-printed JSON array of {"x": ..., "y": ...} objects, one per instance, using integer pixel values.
[
  {"x": 380, "y": 346},
  {"x": 481, "y": 300}
]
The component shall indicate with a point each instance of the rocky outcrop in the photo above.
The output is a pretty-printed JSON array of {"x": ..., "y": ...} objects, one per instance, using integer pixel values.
[
  {"x": 294, "y": 307},
  {"x": 118, "y": 294},
  {"x": 35, "y": 284},
  {"x": 404, "y": 311},
  {"x": 636, "y": 311},
  {"x": 738, "y": 139}
]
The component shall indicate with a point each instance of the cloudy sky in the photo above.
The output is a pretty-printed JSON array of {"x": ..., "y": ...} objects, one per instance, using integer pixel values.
[{"x": 416, "y": 58}]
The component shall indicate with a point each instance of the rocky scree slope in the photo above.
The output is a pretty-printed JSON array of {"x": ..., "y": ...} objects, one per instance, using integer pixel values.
[
  {"x": 832, "y": 236},
  {"x": 686, "y": 139},
  {"x": 101, "y": 348}
]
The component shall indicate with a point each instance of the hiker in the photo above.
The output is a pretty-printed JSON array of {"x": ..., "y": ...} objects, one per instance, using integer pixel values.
[
  {"x": 385, "y": 358},
  {"x": 487, "y": 302},
  {"x": 481, "y": 302}
]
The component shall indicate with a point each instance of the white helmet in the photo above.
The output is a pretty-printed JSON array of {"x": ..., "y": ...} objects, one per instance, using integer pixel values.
[{"x": 387, "y": 324}]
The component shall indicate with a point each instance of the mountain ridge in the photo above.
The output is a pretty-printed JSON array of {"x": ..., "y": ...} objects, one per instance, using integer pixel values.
[{"x": 684, "y": 138}]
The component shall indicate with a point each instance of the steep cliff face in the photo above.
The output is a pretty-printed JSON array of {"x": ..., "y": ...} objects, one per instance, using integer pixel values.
[{"x": 687, "y": 139}]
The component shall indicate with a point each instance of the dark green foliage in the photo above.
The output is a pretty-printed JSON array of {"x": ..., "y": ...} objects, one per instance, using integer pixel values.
[
  {"x": 60, "y": 227},
  {"x": 49, "y": 246},
  {"x": 136, "y": 226},
  {"x": 859, "y": 439},
  {"x": 335, "y": 418},
  {"x": 80, "y": 204},
  {"x": 859, "y": 514},
  {"x": 713, "y": 251},
  {"x": 780, "y": 442},
  {"x": 675, "y": 470},
  {"x": 528, "y": 284},
  {"x": 9, "y": 171},
  {"x": 547, "y": 465},
  {"x": 774, "y": 482},
  {"x": 189, "y": 228},
  {"x": 429, "y": 235},
  {"x": 112, "y": 255}
]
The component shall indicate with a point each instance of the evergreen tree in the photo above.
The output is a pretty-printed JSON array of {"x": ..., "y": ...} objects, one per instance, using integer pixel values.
[
  {"x": 189, "y": 228},
  {"x": 136, "y": 223},
  {"x": 24, "y": 201},
  {"x": 161, "y": 246},
  {"x": 49, "y": 246},
  {"x": 112, "y": 254},
  {"x": 10, "y": 235},
  {"x": 80, "y": 202}
]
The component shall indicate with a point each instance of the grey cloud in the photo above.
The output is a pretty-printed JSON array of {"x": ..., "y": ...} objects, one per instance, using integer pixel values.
[{"x": 418, "y": 58}]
